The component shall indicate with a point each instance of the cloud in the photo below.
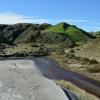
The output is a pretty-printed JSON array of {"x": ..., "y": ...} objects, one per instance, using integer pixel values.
[
  {"x": 76, "y": 20},
  {"x": 12, "y": 18},
  {"x": 96, "y": 23},
  {"x": 97, "y": 28}
]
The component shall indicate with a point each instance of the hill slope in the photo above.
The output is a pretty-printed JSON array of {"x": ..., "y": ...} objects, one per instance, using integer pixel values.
[
  {"x": 74, "y": 33},
  {"x": 90, "y": 50},
  {"x": 61, "y": 33},
  {"x": 97, "y": 34}
]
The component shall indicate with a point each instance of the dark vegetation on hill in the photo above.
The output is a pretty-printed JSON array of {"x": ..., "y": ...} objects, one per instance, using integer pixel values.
[{"x": 61, "y": 33}]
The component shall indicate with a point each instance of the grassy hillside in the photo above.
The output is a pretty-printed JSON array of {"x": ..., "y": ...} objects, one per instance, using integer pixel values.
[
  {"x": 97, "y": 34},
  {"x": 90, "y": 49},
  {"x": 61, "y": 33},
  {"x": 75, "y": 34}
]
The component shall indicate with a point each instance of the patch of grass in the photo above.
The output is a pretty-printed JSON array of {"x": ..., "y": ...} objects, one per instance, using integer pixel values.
[
  {"x": 76, "y": 34},
  {"x": 81, "y": 94},
  {"x": 26, "y": 49},
  {"x": 58, "y": 28}
]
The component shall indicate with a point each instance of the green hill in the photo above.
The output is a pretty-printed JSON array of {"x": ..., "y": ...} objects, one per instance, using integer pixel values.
[
  {"x": 31, "y": 33},
  {"x": 74, "y": 33},
  {"x": 61, "y": 33}
]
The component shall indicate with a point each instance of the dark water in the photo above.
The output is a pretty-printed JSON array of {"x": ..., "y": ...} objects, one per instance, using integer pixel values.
[{"x": 52, "y": 70}]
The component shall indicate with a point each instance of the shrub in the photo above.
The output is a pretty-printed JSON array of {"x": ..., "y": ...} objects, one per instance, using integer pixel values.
[
  {"x": 62, "y": 51},
  {"x": 71, "y": 51},
  {"x": 20, "y": 54},
  {"x": 35, "y": 45},
  {"x": 41, "y": 52},
  {"x": 69, "y": 55},
  {"x": 93, "y": 61},
  {"x": 93, "y": 69},
  {"x": 86, "y": 59}
]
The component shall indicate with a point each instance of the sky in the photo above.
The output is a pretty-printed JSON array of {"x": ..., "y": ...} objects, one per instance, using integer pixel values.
[{"x": 82, "y": 13}]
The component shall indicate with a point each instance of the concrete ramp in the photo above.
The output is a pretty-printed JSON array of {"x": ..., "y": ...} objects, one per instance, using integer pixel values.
[{"x": 22, "y": 80}]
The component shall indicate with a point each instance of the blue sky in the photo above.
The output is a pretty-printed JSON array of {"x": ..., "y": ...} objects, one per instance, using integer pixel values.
[{"x": 83, "y": 13}]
